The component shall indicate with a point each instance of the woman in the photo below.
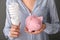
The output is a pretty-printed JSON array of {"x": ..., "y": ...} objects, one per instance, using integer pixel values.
[{"x": 45, "y": 8}]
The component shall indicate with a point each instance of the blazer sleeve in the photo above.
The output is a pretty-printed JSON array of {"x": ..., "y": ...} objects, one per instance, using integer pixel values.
[{"x": 53, "y": 27}]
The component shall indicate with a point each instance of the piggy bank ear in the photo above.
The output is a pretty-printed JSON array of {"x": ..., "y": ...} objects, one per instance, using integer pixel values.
[{"x": 41, "y": 18}]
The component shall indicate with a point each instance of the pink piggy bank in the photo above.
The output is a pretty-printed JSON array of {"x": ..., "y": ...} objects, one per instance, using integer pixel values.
[{"x": 33, "y": 23}]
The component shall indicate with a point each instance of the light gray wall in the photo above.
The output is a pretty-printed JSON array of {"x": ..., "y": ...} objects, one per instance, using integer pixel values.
[{"x": 2, "y": 20}]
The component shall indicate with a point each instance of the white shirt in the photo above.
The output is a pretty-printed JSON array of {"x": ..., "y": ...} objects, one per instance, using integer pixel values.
[{"x": 45, "y": 8}]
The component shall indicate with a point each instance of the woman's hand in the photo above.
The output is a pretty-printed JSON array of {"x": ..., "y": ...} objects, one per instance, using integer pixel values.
[
  {"x": 14, "y": 31},
  {"x": 37, "y": 32}
]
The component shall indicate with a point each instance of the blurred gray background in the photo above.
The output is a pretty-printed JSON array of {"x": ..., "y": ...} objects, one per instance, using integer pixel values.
[{"x": 2, "y": 20}]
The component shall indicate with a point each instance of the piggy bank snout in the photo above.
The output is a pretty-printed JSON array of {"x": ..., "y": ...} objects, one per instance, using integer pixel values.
[{"x": 31, "y": 30}]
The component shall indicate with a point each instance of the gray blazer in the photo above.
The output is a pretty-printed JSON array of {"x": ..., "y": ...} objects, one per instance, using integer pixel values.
[{"x": 45, "y": 8}]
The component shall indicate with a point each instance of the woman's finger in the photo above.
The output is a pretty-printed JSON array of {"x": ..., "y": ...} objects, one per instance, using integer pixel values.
[
  {"x": 13, "y": 35},
  {"x": 14, "y": 26},
  {"x": 14, "y": 30}
]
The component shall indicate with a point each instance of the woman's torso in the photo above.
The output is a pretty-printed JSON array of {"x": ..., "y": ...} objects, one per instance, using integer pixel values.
[{"x": 40, "y": 9}]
